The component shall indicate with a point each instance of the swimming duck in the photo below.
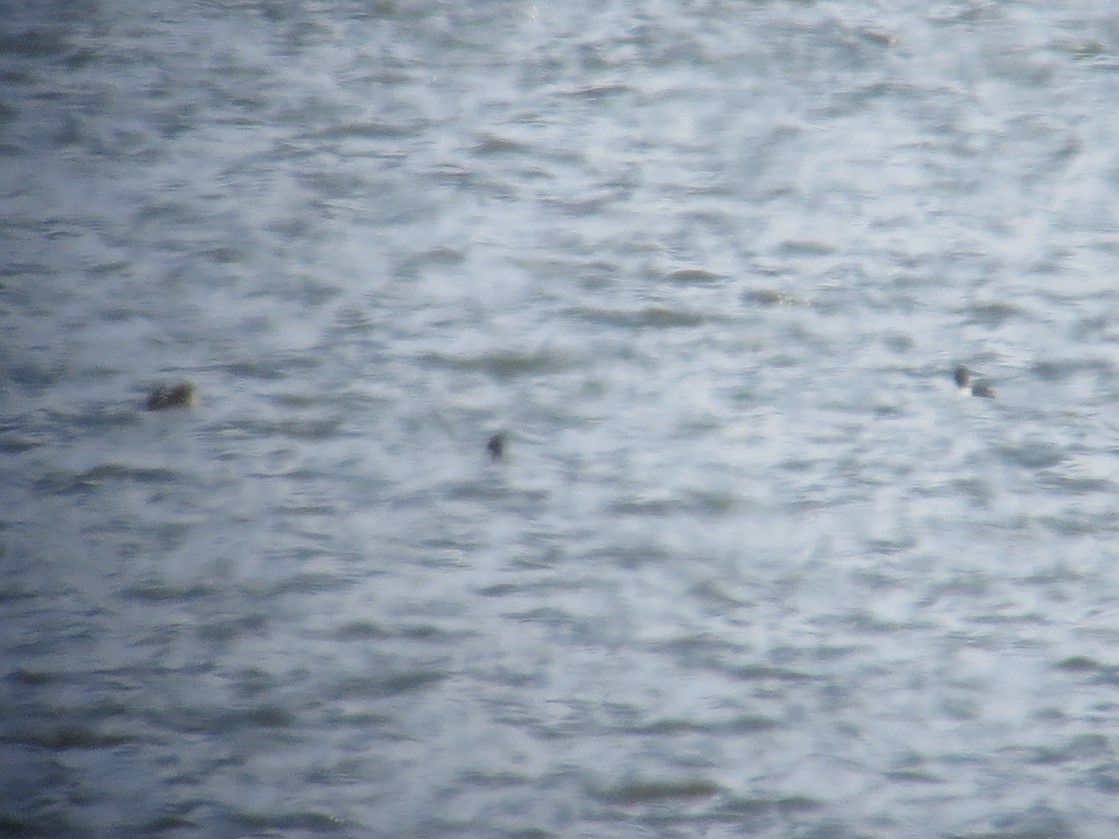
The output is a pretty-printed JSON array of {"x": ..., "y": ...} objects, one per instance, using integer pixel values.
[
  {"x": 967, "y": 388},
  {"x": 178, "y": 395},
  {"x": 496, "y": 446}
]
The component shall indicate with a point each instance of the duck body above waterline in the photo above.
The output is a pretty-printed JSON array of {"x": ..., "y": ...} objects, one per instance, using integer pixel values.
[
  {"x": 177, "y": 395},
  {"x": 496, "y": 447},
  {"x": 969, "y": 388}
]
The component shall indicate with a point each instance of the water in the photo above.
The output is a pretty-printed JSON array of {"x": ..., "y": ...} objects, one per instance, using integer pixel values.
[{"x": 749, "y": 568}]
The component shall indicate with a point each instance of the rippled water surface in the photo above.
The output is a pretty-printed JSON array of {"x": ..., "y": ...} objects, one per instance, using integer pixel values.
[{"x": 749, "y": 565}]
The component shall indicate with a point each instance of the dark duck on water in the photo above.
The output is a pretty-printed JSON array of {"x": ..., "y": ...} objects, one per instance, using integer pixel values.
[
  {"x": 177, "y": 395},
  {"x": 969, "y": 388},
  {"x": 496, "y": 447}
]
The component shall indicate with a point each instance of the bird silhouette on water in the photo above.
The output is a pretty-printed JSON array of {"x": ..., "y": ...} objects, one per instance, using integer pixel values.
[
  {"x": 969, "y": 388},
  {"x": 177, "y": 395},
  {"x": 496, "y": 447}
]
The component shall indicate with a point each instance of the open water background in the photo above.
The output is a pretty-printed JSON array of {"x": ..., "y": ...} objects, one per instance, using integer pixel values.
[{"x": 750, "y": 568}]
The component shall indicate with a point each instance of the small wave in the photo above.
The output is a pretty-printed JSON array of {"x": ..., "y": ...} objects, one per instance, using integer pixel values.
[
  {"x": 492, "y": 144},
  {"x": 11, "y": 825},
  {"x": 805, "y": 247},
  {"x": 504, "y": 364},
  {"x": 368, "y": 630},
  {"x": 12, "y": 442},
  {"x": 599, "y": 91},
  {"x": 310, "y": 582},
  {"x": 655, "y": 317},
  {"x": 1102, "y": 673},
  {"x": 269, "y": 370},
  {"x": 64, "y": 483},
  {"x": 994, "y": 312},
  {"x": 762, "y": 806},
  {"x": 1036, "y": 454},
  {"x": 392, "y": 684},
  {"x": 212, "y": 720},
  {"x": 224, "y": 631},
  {"x": 694, "y": 276},
  {"x": 1058, "y": 370},
  {"x": 652, "y": 792},
  {"x": 734, "y": 725},
  {"x": 75, "y": 737},
  {"x": 156, "y": 592},
  {"x": 36, "y": 42},
  {"x": 298, "y": 429},
  {"x": 34, "y": 678},
  {"x": 368, "y": 130},
  {"x": 767, "y": 673},
  {"x": 769, "y": 297},
  {"x": 310, "y": 821},
  {"x": 1072, "y": 749}
]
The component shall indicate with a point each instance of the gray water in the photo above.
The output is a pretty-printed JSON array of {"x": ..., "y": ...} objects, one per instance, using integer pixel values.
[{"x": 750, "y": 566}]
